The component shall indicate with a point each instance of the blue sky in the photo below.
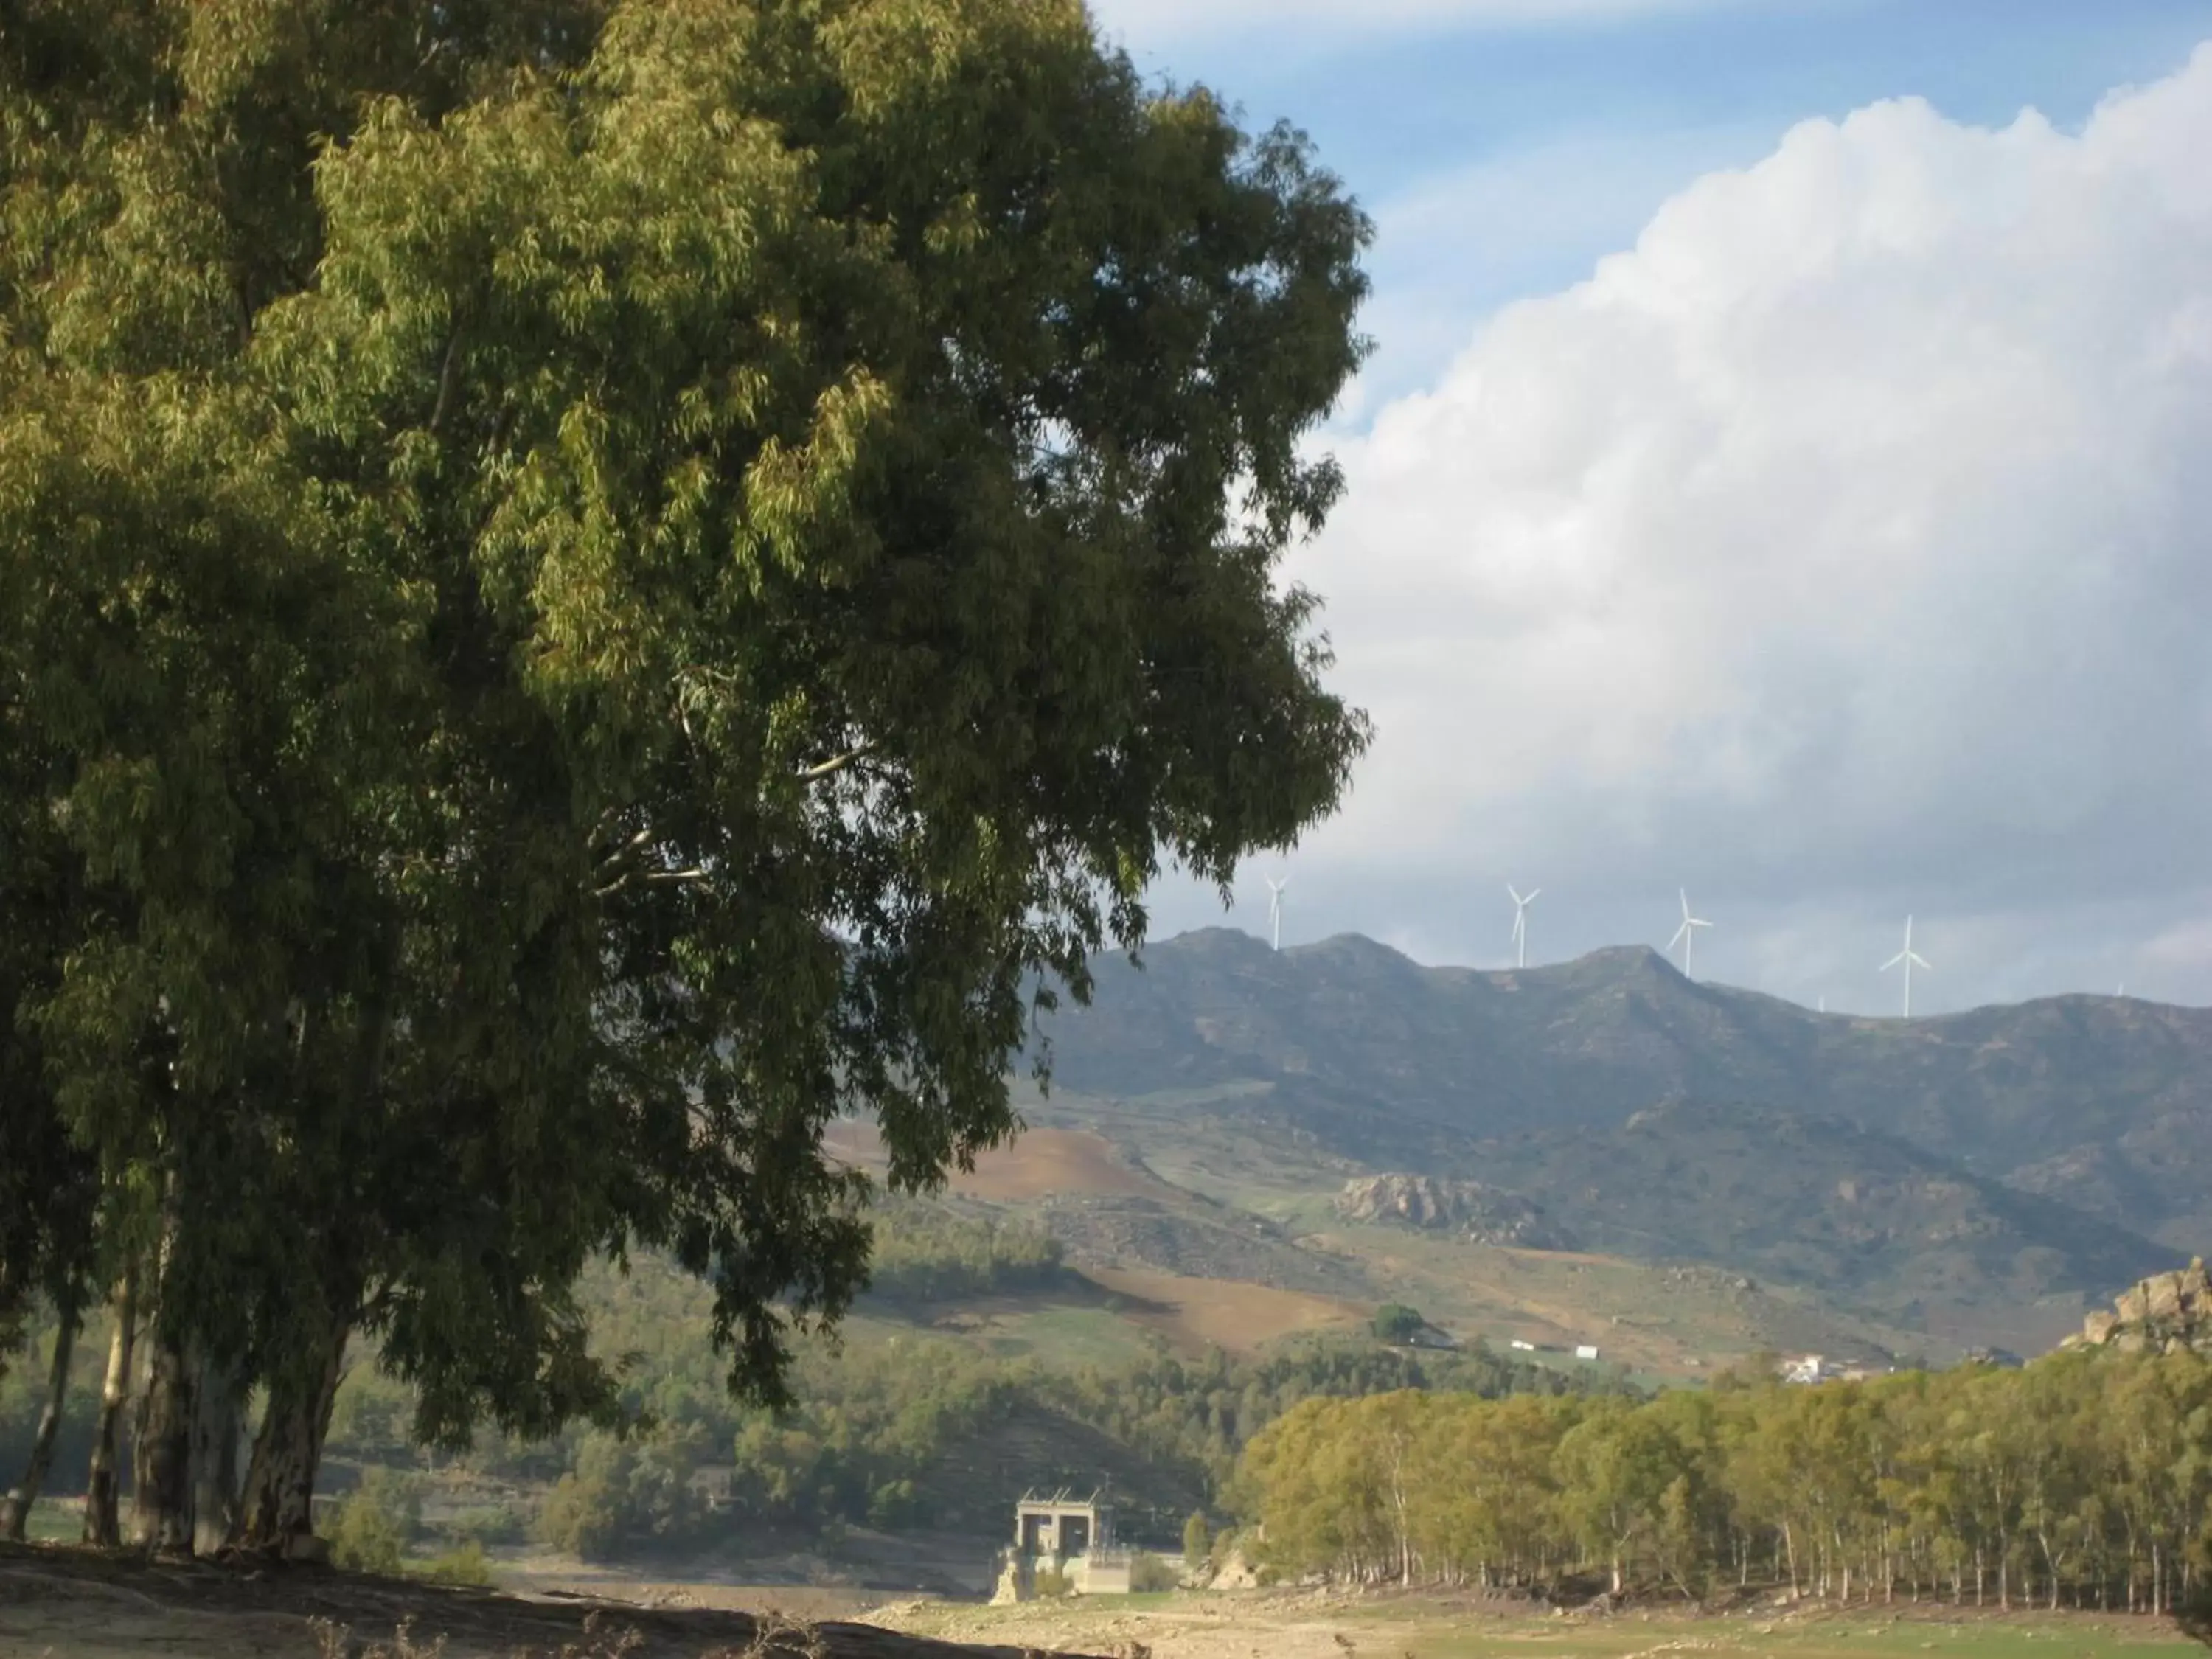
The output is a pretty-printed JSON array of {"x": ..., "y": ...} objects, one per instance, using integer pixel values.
[
  {"x": 1564, "y": 135},
  {"x": 1782, "y": 475}
]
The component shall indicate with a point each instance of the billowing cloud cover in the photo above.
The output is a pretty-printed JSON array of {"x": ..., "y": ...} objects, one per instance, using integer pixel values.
[
  {"x": 1168, "y": 20},
  {"x": 1842, "y": 549}
]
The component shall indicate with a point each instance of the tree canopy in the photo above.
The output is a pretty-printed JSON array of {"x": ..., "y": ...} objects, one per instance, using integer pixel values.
[
  {"x": 583, "y": 588},
  {"x": 2081, "y": 1479}
]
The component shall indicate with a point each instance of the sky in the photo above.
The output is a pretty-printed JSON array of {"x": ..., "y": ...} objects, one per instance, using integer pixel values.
[{"x": 1784, "y": 473}]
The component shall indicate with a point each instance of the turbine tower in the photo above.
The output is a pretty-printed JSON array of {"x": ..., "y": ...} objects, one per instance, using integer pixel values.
[
  {"x": 1687, "y": 934},
  {"x": 1909, "y": 959},
  {"x": 1521, "y": 922},
  {"x": 1275, "y": 910}
]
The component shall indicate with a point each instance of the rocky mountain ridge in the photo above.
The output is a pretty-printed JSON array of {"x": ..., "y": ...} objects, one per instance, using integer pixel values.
[
  {"x": 2102, "y": 1104},
  {"x": 2163, "y": 1314},
  {"x": 1470, "y": 1209}
]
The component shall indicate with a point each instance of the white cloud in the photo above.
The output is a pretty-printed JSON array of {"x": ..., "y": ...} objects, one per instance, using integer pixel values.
[
  {"x": 1843, "y": 547},
  {"x": 1149, "y": 22},
  {"x": 1458, "y": 243}
]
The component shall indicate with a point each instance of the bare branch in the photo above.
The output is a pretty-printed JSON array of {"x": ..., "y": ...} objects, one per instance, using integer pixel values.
[
  {"x": 628, "y": 849},
  {"x": 816, "y": 774},
  {"x": 445, "y": 379}
]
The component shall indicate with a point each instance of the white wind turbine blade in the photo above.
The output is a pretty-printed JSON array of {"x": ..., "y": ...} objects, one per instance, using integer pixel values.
[
  {"x": 1678, "y": 932},
  {"x": 1919, "y": 961},
  {"x": 1684, "y": 892},
  {"x": 1514, "y": 894},
  {"x": 1694, "y": 921},
  {"x": 1535, "y": 893},
  {"x": 1894, "y": 960}
]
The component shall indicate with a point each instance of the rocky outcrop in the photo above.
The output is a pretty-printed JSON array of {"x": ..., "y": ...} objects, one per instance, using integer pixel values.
[
  {"x": 1486, "y": 1214},
  {"x": 2163, "y": 1314}
]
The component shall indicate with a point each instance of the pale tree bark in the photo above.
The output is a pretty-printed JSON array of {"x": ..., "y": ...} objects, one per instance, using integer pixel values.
[
  {"x": 17, "y": 1515},
  {"x": 216, "y": 1408},
  {"x": 161, "y": 1487},
  {"x": 102, "y": 1519},
  {"x": 277, "y": 1509}
]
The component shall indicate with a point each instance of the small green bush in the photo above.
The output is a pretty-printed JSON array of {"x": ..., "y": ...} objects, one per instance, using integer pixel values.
[
  {"x": 1051, "y": 1584},
  {"x": 1397, "y": 1323},
  {"x": 1197, "y": 1541},
  {"x": 465, "y": 1566},
  {"x": 367, "y": 1536},
  {"x": 1149, "y": 1575}
]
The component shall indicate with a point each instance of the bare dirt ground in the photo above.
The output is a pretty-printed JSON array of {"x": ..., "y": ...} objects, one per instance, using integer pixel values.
[
  {"x": 73, "y": 1604},
  {"x": 68, "y": 1604},
  {"x": 1042, "y": 1161},
  {"x": 1320, "y": 1623},
  {"x": 1195, "y": 1313}
]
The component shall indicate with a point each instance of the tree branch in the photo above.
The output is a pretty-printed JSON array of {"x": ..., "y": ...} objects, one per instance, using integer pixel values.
[
  {"x": 446, "y": 378},
  {"x": 816, "y": 774}
]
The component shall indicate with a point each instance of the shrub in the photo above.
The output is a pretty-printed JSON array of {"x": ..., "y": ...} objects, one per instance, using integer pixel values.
[
  {"x": 1149, "y": 1575},
  {"x": 367, "y": 1536},
  {"x": 622, "y": 1497},
  {"x": 1051, "y": 1584},
  {"x": 1397, "y": 1323},
  {"x": 465, "y": 1566},
  {"x": 1197, "y": 1542}
]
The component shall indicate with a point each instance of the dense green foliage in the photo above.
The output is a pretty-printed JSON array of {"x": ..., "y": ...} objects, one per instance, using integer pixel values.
[
  {"x": 376, "y": 1523},
  {"x": 898, "y": 1430},
  {"x": 1394, "y": 1321},
  {"x": 922, "y": 1252},
  {"x": 583, "y": 587},
  {"x": 892, "y": 1438},
  {"x": 2081, "y": 1479}
]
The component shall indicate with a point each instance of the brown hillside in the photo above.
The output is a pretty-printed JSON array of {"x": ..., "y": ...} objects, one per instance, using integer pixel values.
[
  {"x": 1039, "y": 1164},
  {"x": 1196, "y": 1314}
]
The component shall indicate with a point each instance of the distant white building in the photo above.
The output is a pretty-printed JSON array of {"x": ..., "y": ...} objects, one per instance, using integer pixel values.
[
  {"x": 1809, "y": 1368},
  {"x": 1586, "y": 1351},
  {"x": 1524, "y": 1347}
]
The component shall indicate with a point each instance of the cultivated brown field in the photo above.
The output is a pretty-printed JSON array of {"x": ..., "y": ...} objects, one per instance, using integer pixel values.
[
  {"x": 1040, "y": 1163},
  {"x": 1194, "y": 1314}
]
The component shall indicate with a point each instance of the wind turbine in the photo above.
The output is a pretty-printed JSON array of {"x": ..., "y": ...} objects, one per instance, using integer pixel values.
[
  {"x": 1685, "y": 935},
  {"x": 1910, "y": 959},
  {"x": 1521, "y": 923},
  {"x": 1275, "y": 910}
]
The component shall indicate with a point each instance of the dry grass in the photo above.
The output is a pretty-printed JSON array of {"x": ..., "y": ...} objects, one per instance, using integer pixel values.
[
  {"x": 1195, "y": 1313},
  {"x": 1040, "y": 1163}
]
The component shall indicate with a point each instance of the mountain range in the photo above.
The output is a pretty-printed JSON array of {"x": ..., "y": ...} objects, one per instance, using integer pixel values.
[{"x": 2052, "y": 1149}]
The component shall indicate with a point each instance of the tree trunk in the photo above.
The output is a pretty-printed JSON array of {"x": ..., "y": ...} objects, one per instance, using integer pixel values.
[
  {"x": 278, "y": 1507},
  {"x": 102, "y": 1524},
  {"x": 162, "y": 1491},
  {"x": 215, "y": 1431},
  {"x": 17, "y": 1518}
]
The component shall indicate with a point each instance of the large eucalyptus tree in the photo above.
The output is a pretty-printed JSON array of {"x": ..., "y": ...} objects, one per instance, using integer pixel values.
[{"x": 586, "y": 588}]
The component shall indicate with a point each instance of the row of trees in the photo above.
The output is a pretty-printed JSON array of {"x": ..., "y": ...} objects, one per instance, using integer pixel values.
[
  {"x": 2082, "y": 1478},
  {"x": 584, "y": 587},
  {"x": 923, "y": 1252}
]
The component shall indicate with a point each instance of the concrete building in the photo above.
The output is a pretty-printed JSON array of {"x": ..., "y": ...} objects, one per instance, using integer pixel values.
[{"x": 1072, "y": 1537}]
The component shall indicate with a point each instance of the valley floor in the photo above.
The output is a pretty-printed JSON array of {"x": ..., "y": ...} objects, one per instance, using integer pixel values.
[
  {"x": 1307, "y": 1625},
  {"x": 60, "y": 1604}
]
